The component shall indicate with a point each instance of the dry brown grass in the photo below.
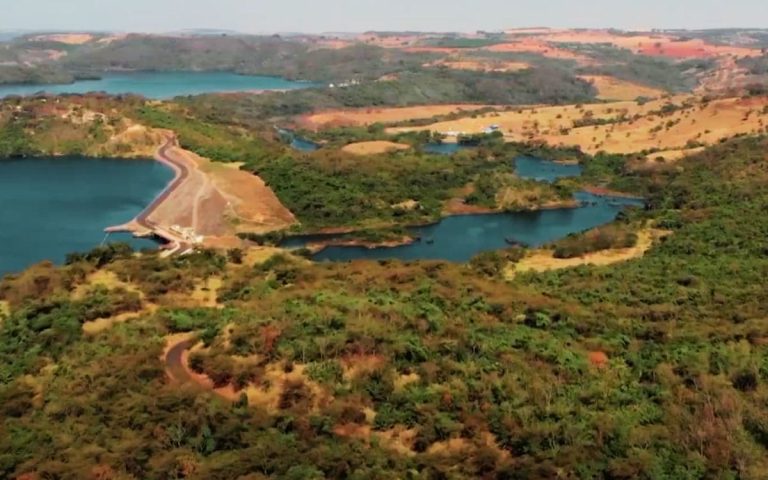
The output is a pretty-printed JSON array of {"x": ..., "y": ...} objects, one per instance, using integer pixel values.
[
  {"x": 543, "y": 260},
  {"x": 480, "y": 65},
  {"x": 381, "y": 115},
  {"x": 641, "y": 129},
  {"x": 205, "y": 293},
  {"x": 535, "y": 45},
  {"x": 105, "y": 278},
  {"x": 611, "y": 88},
  {"x": 109, "y": 279},
  {"x": 672, "y": 155},
  {"x": 255, "y": 255},
  {"x": 357, "y": 365},
  {"x": 5, "y": 308},
  {"x": 458, "y": 446},
  {"x": 138, "y": 139},
  {"x": 268, "y": 393},
  {"x": 102, "y": 324},
  {"x": 373, "y": 148},
  {"x": 650, "y": 44},
  {"x": 404, "y": 380}
]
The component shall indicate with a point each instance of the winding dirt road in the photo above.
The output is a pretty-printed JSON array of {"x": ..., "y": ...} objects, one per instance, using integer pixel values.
[{"x": 174, "y": 362}]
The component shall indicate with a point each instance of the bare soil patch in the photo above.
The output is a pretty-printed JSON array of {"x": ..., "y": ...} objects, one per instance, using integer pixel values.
[
  {"x": 373, "y": 148},
  {"x": 480, "y": 65},
  {"x": 543, "y": 260},
  {"x": 611, "y": 88},
  {"x": 535, "y": 45},
  {"x": 380, "y": 115},
  {"x": 655, "y": 44},
  {"x": 68, "y": 38}
]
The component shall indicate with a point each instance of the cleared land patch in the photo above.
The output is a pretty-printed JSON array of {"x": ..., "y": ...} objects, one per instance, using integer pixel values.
[
  {"x": 68, "y": 38},
  {"x": 480, "y": 65},
  {"x": 671, "y": 123},
  {"x": 650, "y": 44},
  {"x": 372, "y": 148},
  {"x": 381, "y": 115},
  {"x": 543, "y": 260},
  {"x": 534, "y": 45},
  {"x": 611, "y": 88}
]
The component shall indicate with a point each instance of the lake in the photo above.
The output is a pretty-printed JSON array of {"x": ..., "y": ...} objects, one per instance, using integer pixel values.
[
  {"x": 162, "y": 85},
  {"x": 55, "y": 206},
  {"x": 459, "y": 238},
  {"x": 444, "y": 148},
  {"x": 533, "y": 168}
]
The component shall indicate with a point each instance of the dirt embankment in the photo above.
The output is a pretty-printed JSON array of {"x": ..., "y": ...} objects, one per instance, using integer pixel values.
[{"x": 211, "y": 200}]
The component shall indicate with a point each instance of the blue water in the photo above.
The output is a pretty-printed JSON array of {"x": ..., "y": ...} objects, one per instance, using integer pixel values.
[
  {"x": 444, "y": 148},
  {"x": 296, "y": 142},
  {"x": 534, "y": 168},
  {"x": 162, "y": 85},
  {"x": 460, "y": 238},
  {"x": 303, "y": 145},
  {"x": 54, "y": 206}
]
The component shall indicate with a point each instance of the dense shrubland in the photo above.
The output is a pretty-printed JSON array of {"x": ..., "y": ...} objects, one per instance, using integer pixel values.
[
  {"x": 655, "y": 368},
  {"x": 601, "y": 238}
]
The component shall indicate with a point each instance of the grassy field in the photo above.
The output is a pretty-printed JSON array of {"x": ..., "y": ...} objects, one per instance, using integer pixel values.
[{"x": 665, "y": 125}]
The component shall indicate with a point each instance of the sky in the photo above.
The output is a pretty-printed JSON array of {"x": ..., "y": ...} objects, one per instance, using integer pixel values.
[{"x": 313, "y": 16}]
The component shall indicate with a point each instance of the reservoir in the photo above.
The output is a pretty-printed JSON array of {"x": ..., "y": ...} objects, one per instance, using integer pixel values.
[
  {"x": 162, "y": 85},
  {"x": 459, "y": 238},
  {"x": 50, "y": 207}
]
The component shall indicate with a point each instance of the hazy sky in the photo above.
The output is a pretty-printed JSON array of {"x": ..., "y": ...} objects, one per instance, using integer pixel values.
[{"x": 360, "y": 15}]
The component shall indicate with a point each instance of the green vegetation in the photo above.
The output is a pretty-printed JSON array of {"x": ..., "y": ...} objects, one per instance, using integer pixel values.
[
  {"x": 461, "y": 42},
  {"x": 654, "y": 368},
  {"x": 242, "y": 54},
  {"x": 598, "y": 239},
  {"x": 36, "y": 75},
  {"x": 651, "y": 71},
  {"x": 533, "y": 86}
]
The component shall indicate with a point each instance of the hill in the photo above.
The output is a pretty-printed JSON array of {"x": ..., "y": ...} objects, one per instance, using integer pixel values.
[{"x": 360, "y": 370}]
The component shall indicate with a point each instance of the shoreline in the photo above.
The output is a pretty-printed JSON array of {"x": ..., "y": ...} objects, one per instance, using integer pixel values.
[
  {"x": 607, "y": 192},
  {"x": 320, "y": 245},
  {"x": 140, "y": 226}
]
